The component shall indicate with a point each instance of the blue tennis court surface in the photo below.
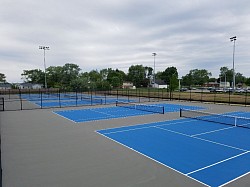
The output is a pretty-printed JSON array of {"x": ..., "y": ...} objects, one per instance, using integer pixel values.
[
  {"x": 85, "y": 115},
  {"x": 53, "y": 100},
  {"x": 211, "y": 153}
]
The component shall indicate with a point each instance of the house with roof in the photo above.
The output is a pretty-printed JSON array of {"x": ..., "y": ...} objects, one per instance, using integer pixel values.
[
  {"x": 127, "y": 85},
  {"x": 159, "y": 84},
  {"x": 28, "y": 85},
  {"x": 5, "y": 86}
]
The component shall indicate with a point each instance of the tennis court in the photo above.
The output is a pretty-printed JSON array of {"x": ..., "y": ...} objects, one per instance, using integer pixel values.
[
  {"x": 213, "y": 153},
  {"x": 66, "y": 100},
  {"x": 120, "y": 111}
]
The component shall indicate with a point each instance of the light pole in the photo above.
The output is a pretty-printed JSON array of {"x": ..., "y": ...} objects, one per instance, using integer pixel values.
[
  {"x": 45, "y": 76},
  {"x": 233, "y": 39},
  {"x": 154, "y": 54}
]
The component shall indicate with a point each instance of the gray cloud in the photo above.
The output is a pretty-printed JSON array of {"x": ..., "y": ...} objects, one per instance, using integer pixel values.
[{"x": 117, "y": 34}]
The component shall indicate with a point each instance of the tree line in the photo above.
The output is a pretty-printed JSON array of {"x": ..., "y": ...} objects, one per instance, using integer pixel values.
[{"x": 70, "y": 76}]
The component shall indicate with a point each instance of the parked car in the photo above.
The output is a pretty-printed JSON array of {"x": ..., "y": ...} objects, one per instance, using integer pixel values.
[
  {"x": 183, "y": 89},
  {"x": 217, "y": 90},
  {"x": 240, "y": 90},
  {"x": 228, "y": 89}
]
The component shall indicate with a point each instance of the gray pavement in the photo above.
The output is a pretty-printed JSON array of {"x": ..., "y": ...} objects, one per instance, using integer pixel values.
[{"x": 40, "y": 148}]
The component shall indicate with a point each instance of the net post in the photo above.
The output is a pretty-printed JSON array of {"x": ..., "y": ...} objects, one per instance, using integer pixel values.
[
  {"x": 116, "y": 103},
  {"x": 180, "y": 112}
]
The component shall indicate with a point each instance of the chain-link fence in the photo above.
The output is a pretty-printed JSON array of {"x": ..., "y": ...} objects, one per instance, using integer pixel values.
[{"x": 25, "y": 99}]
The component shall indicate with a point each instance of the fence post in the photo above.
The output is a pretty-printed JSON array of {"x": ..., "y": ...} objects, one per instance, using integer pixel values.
[
  {"x": 158, "y": 95},
  {"x": 139, "y": 95},
  {"x": 148, "y": 94},
  {"x": 214, "y": 97},
  {"x": 179, "y": 94},
  {"x": 229, "y": 98},
  {"x": 59, "y": 98},
  {"x": 246, "y": 98},
  {"x": 2, "y": 103},
  {"x": 20, "y": 97},
  {"x": 77, "y": 97},
  {"x": 128, "y": 95},
  {"x": 116, "y": 94},
  {"x": 105, "y": 97},
  {"x": 190, "y": 95},
  {"x": 201, "y": 94},
  {"x": 91, "y": 96},
  {"x": 41, "y": 92}
]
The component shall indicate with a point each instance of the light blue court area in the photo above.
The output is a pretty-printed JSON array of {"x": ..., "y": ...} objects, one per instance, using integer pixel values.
[
  {"x": 67, "y": 100},
  {"x": 85, "y": 115},
  {"x": 210, "y": 153}
]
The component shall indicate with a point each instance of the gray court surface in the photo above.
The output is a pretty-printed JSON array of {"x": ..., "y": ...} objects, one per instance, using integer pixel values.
[{"x": 40, "y": 148}]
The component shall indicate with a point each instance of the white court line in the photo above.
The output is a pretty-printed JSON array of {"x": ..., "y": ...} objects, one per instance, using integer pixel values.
[
  {"x": 235, "y": 179},
  {"x": 139, "y": 128},
  {"x": 213, "y": 131},
  {"x": 217, "y": 163},
  {"x": 184, "y": 135},
  {"x": 93, "y": 110},
  {"x": 63, "y": 116},
  {"x": 152, "y": 159},
  {"x": 203, "y": 139}
]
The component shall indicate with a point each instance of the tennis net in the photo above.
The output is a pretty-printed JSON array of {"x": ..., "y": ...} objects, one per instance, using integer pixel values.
[
  {"x": 92, "y": 100},
  {"x": 217, "y": 118},
  {"x": 143, "y": 107}
]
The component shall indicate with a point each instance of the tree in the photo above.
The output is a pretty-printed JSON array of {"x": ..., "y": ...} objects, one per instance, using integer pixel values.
[
  {"x": 136, "y": 74},
  {"x": 227, "y": 74},
  {"x": 69, "y": 72},
  {"x": 200, "y": 77},
  {"x": 248, "y": 81},
  {"x": 239, "y": 78},
  {"x": 2, "y": 78},
  {"x": 168, "y": 74},
  {"x": 187, "y": 80},
  {"x": 196, "y": 77},
  {"x": 212, "y": 79},
  {"x": 55, "y": 76},
  {"x": 79, "y": 84},
  {"x": 148, "y": 72},
  {"x": 116, "y": 78},
  {"x": 33, "y": 76},
  {"x": 94, "y": 76}
]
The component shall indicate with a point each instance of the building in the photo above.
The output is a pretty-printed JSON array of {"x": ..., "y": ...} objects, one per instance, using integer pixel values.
[
  {"x": 5, "y": 86},
  {"x": 159, "y": 84},
  {"x": 29, "y": 86},
  {"x": 224, "y": 84},
  {"x": 128, "y": 85},
  {"x": 212, "y": 84}
]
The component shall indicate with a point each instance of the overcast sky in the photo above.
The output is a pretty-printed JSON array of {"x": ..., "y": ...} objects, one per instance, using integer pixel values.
[{"x": 98, "y": 34}]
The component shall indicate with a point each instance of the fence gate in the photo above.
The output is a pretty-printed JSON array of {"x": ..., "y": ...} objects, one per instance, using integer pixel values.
[{"x": 1, "y": 104}]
